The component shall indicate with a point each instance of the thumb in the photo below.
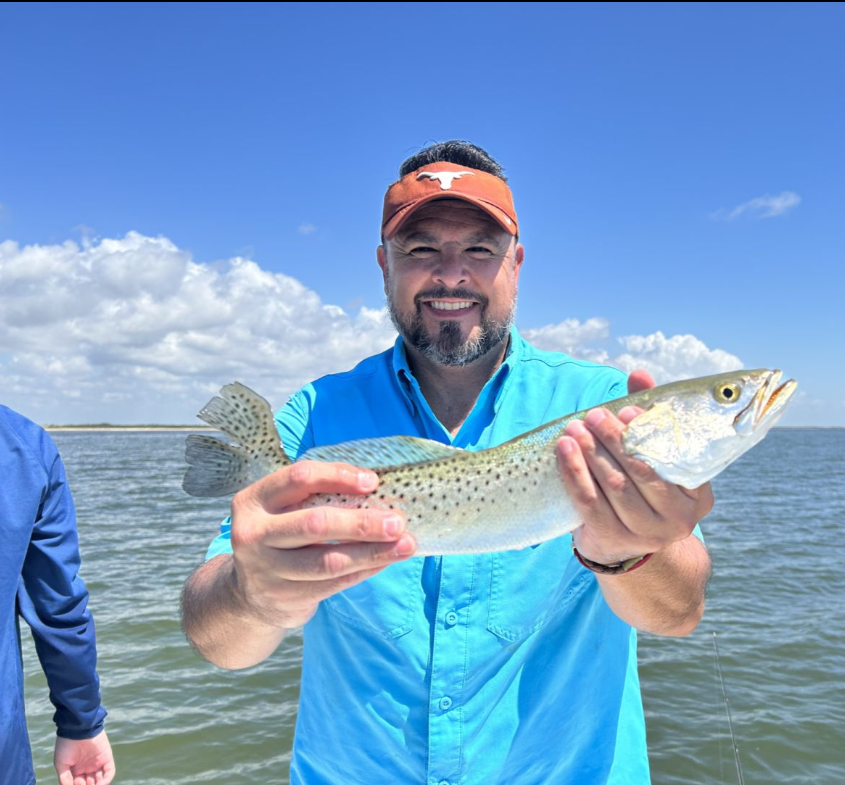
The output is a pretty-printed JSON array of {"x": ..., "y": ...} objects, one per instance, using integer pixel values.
[
  {"x": 640, "y": 380},
  {"x": 65, "y": 777}
]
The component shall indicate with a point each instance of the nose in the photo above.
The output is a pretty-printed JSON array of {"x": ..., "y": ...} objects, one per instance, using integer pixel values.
[{"x": 450, "y": 270}]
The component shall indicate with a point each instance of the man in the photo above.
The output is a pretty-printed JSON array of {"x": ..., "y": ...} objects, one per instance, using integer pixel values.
[
  {"x": 512, "y": 667},
  {"x": 39, "y": 561}
]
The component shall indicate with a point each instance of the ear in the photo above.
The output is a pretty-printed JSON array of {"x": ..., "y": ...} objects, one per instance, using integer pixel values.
[
  {"x": 381, "y": 257},
  {"x": 519, "y": 258}
]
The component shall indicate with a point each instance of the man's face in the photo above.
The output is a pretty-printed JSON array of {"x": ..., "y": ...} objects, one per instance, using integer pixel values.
[{"x": 450, "y": 276}]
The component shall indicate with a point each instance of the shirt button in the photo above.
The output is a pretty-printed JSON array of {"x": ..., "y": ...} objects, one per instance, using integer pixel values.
[
  {"x": 451, "y": 618},
  {"x": 445, "y": 703}
]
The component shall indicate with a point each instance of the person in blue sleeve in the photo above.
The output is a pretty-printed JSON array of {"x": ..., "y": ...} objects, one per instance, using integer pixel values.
[
  {"x": 510, "y": 667},
  {"x": 39, "y": 564}
]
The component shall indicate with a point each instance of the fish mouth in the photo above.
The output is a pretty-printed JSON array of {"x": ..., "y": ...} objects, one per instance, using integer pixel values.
[{"x": 767, "y": 405}]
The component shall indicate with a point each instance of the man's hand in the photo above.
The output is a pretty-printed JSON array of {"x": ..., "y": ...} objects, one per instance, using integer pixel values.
[
  {"x": 626, "y": 508},
  {"x": 283, "y": 566},
  {"x": 84, "y": 761},
  {"x": 286, "y": 559}
]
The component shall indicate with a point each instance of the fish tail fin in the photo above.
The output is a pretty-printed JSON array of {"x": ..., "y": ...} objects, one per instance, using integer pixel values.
[{"x": 217, "y": 468}]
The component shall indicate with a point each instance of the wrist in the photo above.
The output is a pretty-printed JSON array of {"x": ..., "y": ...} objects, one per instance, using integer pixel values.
[
  {"x": 240, "y": 604},
  {"x": 618, "y": 567}
]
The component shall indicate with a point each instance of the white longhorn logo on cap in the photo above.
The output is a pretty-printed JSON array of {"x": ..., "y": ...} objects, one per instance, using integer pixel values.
[{"x": 445, "y": 178}]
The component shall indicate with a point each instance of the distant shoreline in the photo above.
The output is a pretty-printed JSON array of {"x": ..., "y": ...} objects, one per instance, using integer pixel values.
[{"x": 134, "y": 428}]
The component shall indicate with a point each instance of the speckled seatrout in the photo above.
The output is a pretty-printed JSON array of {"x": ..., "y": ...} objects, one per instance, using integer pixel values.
[{"x": 506, "y": 497}]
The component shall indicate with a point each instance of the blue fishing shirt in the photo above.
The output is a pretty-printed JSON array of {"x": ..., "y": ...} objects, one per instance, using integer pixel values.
[
  {"x": 493, "y": 668},
  {"x": 39, "y": 562}
]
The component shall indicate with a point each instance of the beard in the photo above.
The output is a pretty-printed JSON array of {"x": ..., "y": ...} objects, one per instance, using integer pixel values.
[{"x": 448, "y": 346}]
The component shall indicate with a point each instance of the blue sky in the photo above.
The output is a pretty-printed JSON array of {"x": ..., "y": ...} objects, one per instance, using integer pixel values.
[{"x": 677, "y": 170}]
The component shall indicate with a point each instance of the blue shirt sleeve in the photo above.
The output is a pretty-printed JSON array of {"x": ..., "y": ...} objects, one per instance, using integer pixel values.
[{"x": 54, "y": 602}]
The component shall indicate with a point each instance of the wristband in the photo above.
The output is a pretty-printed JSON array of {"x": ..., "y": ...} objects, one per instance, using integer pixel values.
[{"x": 612, "y": 569}]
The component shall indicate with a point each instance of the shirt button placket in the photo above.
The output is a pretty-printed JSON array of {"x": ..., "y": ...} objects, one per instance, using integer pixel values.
[{"x": 447, "y": 673}]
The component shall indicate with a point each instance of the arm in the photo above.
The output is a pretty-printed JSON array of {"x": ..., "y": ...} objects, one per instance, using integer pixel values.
[
  {"x": 53, "y": 600},
  {"x": 237, "y": 608},
  {"x": 629, "y": 511}
]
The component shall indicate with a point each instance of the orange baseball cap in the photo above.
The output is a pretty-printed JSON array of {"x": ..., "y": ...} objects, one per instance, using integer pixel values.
[{"x": 444, "y": 180}]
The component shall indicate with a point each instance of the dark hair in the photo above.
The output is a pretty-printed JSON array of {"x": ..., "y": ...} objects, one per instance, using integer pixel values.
[{"x": 457, "y": 152}]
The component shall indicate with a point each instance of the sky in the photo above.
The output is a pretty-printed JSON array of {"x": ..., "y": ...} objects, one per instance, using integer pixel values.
[{"x": 190, "y": 194}]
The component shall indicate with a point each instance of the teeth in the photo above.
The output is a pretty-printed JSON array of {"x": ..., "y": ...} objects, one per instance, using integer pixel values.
[{"x": 449, "y": 306}]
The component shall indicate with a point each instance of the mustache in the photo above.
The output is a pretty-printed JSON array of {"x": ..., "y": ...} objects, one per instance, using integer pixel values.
[{"x": 442, "y": 293}]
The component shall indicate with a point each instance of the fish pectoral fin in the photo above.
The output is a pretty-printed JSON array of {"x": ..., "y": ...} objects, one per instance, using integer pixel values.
[
  {"x": 646, "y": 439},
  {"x": 382, "y": 452}
]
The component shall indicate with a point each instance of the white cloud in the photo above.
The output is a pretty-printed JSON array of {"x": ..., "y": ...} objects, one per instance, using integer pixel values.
[
  {"x": 137, "y": 320},
  {"x": 667, "y": 359},
  {"x": 572, "y": 337},
  {"x": 134, "y": 330},
  {"x": 307, "y": 229},
  {"x": 761, "y": 207}
]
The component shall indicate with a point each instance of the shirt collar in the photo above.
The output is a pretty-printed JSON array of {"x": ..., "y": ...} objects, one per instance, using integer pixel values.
[{"x": 410, "y": 387}]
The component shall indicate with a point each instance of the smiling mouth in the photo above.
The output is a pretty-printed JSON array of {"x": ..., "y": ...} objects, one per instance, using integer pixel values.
[{"x": 442, "y": 305}]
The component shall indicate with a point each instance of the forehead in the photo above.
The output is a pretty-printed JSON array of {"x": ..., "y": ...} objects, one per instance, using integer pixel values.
[{"x": 449, "y": 216}]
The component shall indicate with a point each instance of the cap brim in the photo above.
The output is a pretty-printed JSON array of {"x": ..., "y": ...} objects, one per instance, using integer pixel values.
[{"x": 406, "y": 211}]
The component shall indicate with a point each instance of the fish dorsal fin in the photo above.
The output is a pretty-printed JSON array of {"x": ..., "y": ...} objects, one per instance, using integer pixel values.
[{"x": 382, "y": 452}]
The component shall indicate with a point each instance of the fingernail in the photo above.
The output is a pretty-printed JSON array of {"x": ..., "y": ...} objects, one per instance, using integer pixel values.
[
  {"x": 629, "y": 411},
  {"x": 595, "y": 416},
  {"x": 392, "y": 525},
  {"x": 367, "y": 481},
  {"x": 405, "y": 546},
  {"x": 567, "y": 445},
  {"x": 576, "y": 428}
]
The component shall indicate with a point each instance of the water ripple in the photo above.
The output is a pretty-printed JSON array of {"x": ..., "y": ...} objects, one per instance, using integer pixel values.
[{"x": 775, "y": 600}]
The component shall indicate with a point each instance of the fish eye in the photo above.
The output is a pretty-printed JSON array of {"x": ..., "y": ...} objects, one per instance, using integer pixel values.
[{"x": 726, "y": 393}]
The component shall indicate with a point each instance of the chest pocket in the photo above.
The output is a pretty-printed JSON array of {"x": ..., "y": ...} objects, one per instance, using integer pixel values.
[
  {"x": 529, "y": 588},
  {"x": 386, "y": 604}
]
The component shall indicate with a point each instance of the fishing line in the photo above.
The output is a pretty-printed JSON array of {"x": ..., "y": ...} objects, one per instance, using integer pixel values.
[{"x": 728, "y": 709}]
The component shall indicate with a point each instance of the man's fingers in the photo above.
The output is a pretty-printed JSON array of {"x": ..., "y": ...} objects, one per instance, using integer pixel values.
[
  {"x": 621, "y": 491},
  {"x": 295, "y": 483},
  {"x": 329, "y": 562},
  {"x": 298, "y": 599},
  {"x": 634, "y": 483},
  {"x": 326, "y": 524},
  {"x": 588, "y": 497},
  {"x": 628, "y": 413},
  {"x": 316, "y": 591}
]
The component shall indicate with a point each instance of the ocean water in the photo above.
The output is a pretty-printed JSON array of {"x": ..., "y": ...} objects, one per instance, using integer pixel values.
[{"x": 776, "y": 602}]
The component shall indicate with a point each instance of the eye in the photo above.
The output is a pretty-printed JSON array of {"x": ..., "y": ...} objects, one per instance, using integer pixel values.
[
  {"x": 727, "y": 393},
  {"x": 479, "y": 251}
]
